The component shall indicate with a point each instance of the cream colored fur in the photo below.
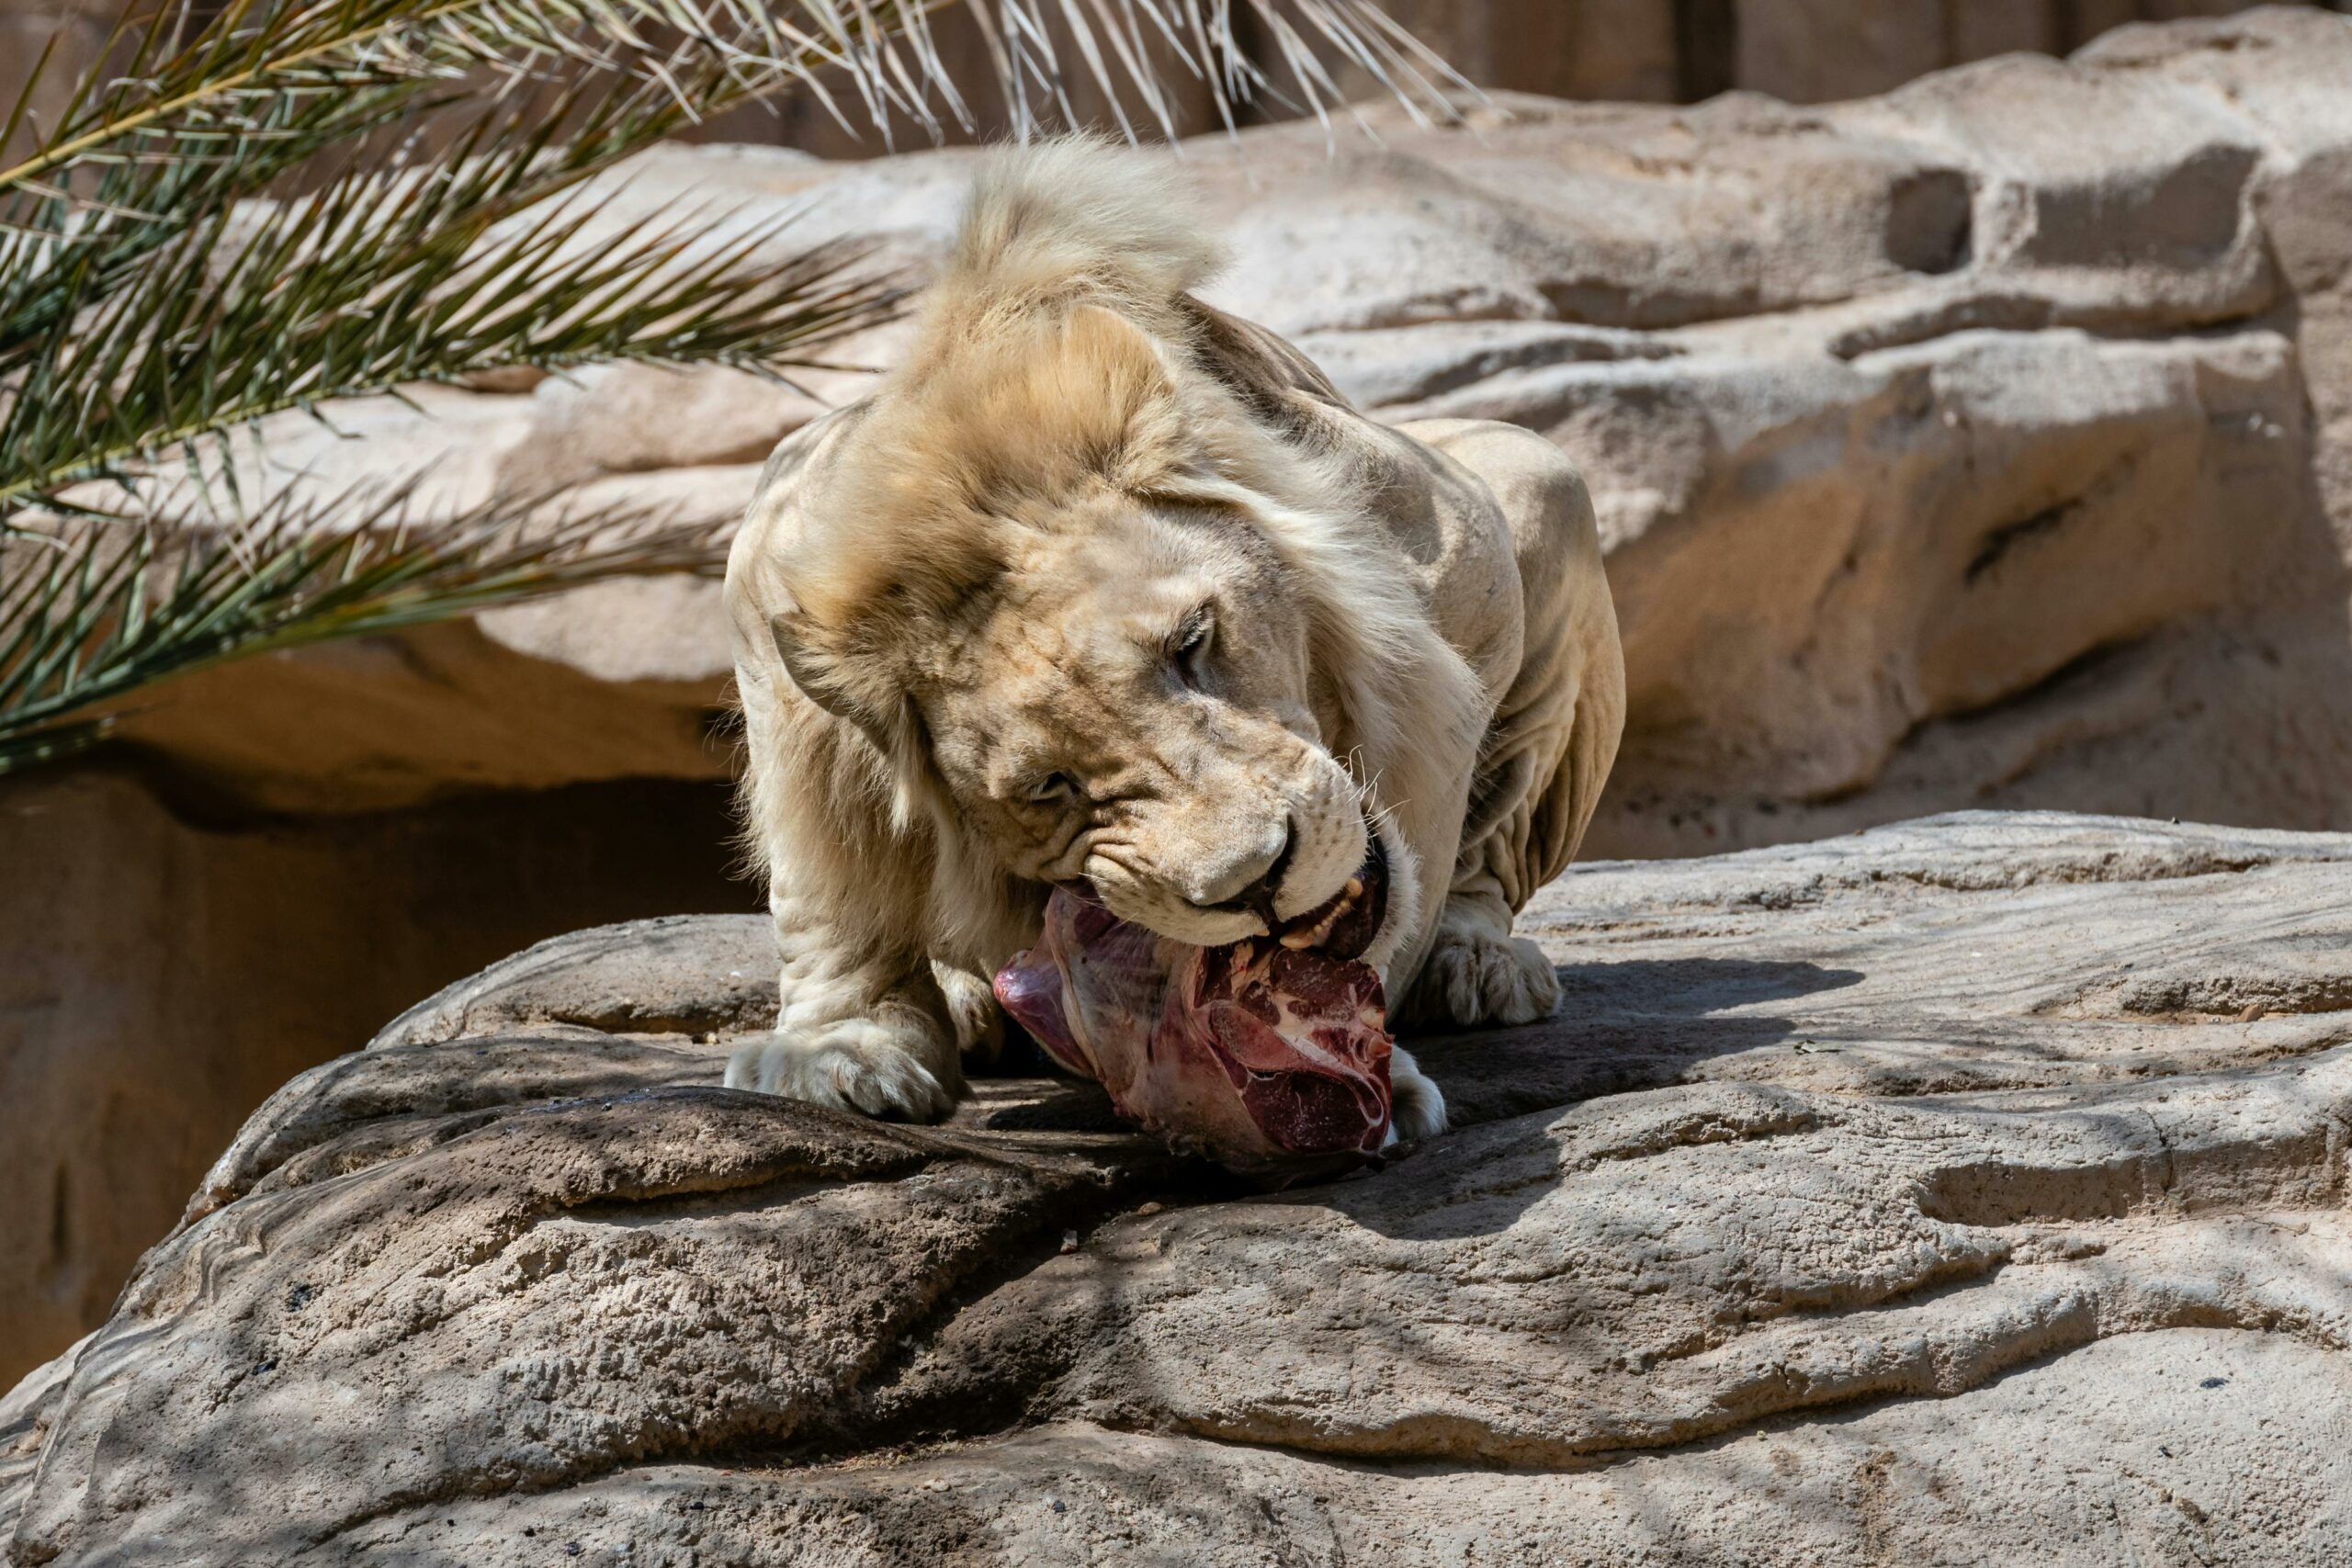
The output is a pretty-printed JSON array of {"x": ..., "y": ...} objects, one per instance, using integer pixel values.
[{"x": 1104, "y": 583}]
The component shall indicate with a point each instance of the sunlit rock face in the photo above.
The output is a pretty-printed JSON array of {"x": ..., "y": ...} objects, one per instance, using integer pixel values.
[
  {"x": 1914, "y": 1196},
  {"x": 1945, "y": 455}
]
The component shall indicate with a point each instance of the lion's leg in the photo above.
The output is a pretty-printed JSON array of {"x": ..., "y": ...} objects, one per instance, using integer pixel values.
[
  {"x": 1548, "y": 752},
  {"x": 1529, "y": 805},
  {"x": 864, "y": 1023},
  {"x": 1477, "y": 972},
  {"x": 1415, "y": 1106},
  {"x": 871, "y": 1032},
  {"x": 873, "y": 1066}
]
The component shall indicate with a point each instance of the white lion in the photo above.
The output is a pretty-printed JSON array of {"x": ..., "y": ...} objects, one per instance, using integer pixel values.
[{"x": 1104, "y": 583}]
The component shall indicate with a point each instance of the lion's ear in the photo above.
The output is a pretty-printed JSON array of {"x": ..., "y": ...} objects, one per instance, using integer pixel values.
[{"x": 879, "y": 708}]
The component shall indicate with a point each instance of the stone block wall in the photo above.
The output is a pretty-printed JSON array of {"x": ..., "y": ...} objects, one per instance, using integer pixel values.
[{"x": 1641, "y": 50}]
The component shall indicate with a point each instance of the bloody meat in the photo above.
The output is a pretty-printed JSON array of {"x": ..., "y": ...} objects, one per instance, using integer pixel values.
[{"x": 1264, "y": 1056}]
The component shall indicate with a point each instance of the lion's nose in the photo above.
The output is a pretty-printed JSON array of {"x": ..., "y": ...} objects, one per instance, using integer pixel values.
[{"x": 1250, "y": 883}]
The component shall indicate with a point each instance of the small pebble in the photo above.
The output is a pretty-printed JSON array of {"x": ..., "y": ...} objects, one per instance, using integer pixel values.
[
  {"x": 2214, "y": 1382},
  {"x": 1069, "y": 1241},
  {"x": 1154, "y": 1206}
]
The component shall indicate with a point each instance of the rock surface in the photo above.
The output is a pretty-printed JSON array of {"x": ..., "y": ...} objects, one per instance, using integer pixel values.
[
  {"x": 1945, "y": 456},
  {"x": 1928, "y": 1195}
]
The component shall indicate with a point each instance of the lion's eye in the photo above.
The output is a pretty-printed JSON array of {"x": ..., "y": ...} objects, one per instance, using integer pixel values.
[
  {"x": 1191, "y": 652},
  {"x": 1054, "y": 789}
]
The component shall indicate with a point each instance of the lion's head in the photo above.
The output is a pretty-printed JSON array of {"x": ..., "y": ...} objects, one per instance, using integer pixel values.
[{"x": 1104, "y": 621}]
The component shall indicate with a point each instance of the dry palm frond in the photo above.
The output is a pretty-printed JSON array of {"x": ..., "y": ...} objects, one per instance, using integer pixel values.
[{"x": 242, "y": 216}]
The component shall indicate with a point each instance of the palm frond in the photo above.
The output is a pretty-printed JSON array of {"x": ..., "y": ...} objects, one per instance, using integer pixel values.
[
  {"x": 378, "y": 282},
  {"x": 94, "y": 609},
  {"x": 227, "y": 84}
]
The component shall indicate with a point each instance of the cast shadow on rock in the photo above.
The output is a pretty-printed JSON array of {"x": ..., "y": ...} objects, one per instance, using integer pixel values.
[{"x": 1621, "y": 1025}]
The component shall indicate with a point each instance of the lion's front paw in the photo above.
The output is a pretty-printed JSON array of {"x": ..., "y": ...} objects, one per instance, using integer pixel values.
[
  {"x": 1473, "y": 977},
  {"x": 1415, "y": 1106},
  {"x": 858, "y": 1065}
]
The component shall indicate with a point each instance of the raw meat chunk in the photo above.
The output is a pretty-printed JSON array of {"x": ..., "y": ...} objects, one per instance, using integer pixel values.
[{"x": 1262, "y": 1054}]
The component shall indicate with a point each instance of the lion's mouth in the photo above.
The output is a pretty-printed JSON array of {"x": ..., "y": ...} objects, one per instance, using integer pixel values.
[
  {"x": 1269, "y": 1054},
  {"x": 1345, "y": 925}
]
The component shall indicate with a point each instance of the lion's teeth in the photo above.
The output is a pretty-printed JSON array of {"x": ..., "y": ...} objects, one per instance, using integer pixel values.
[{"x": 1308, "y": 936}]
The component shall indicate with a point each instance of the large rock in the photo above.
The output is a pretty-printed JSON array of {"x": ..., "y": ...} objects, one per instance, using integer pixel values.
[
  {"x": 1948, "y": 1191},
  {"x": 1945, "y": 456}
]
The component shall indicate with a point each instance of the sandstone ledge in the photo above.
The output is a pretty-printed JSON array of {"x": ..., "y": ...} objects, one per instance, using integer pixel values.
[{"x": 1910, "y": 1197}]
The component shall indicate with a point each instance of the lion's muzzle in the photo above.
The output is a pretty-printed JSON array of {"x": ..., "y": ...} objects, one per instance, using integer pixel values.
[{"x": 1210, "y": 865}]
